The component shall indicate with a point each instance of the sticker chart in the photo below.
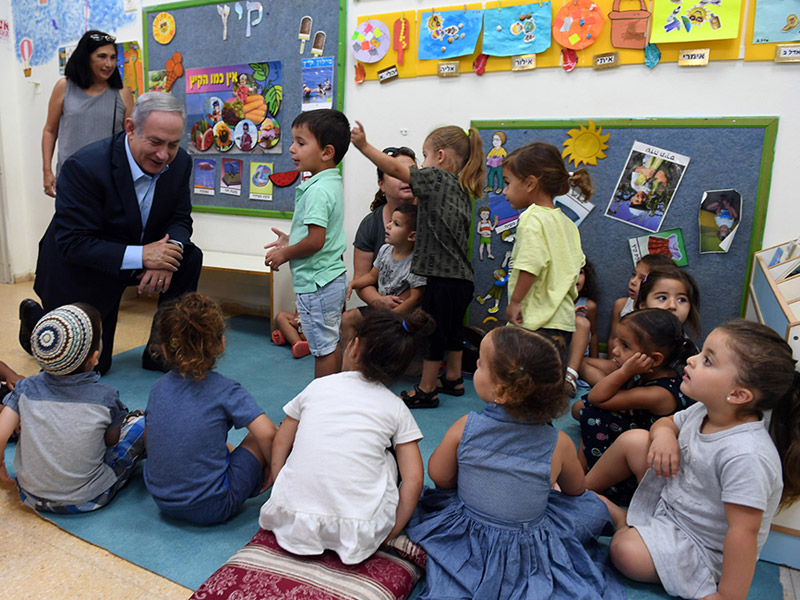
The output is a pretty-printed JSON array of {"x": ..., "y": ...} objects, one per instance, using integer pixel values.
[
  {"x": 243, "y": 80},
  {"x": 670, "y": 166}
]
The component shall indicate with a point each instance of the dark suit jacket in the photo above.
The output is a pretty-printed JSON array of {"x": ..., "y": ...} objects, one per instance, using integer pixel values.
[{"x": 97, "y": 215}]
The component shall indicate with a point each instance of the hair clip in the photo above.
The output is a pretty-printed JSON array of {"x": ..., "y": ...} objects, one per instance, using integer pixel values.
[{"x": 405, "y": 326}]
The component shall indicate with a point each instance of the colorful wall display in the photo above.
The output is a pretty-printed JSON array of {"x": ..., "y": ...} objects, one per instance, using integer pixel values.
[
  {"x": 578, "y": 24},
  {"x": 695, "y": 20},
  {"x": 370, "y": 41},
  {"x": 448, "y": 33},
  {"x": 776, "y": 21},
  {"x": 514, "y": 30},
  {"x": 229, "y": 104}
]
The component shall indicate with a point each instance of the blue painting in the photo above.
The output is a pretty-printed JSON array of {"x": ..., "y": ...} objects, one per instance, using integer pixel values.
[
  {"x": 515, "y": 30},
  {"x": 447, "y": 34},
  {"x": 61, "y": 22}
]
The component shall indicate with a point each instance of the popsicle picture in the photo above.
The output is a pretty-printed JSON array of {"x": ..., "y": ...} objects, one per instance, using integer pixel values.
[
  {"x": 319, "y": 43},
  {"x": 305, "y": 32},
  {"x": 400, "y": 38}
]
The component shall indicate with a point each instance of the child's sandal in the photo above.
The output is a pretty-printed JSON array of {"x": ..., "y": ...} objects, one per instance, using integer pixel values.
[
  {"x": 571, "y": 382},
  {"x": 277, "y": 337},
  {"x": 448, "y": 386},
  {"x": 420, "y": 399}
]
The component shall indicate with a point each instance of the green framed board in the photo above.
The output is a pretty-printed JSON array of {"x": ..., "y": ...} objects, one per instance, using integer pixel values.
[
  {"x": 246, "y": 69},
  {"x": 731, "y": 153}
]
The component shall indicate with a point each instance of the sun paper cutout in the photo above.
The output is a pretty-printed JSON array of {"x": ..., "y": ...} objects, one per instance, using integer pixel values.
[{"x": 585, "y": 145}]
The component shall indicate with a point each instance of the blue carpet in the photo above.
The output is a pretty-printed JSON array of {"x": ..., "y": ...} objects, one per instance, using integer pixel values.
[{"x": 132, "y": 527}]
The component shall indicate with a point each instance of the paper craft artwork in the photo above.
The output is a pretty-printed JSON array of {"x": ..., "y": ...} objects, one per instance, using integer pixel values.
[
  {"x": 695, "y": 20},
  {"x": 668, "y": 243},
  {"x": 317, "y": 83},
  {"x": 26, "y": 52},
  {"x": 260, "y": 185},
  {"x": 220, "y": 99},
  {"x": 204, "y": 176},
  {"x": 629, "y": 28},
  {"x": 164, "y": 28},
  {"x": 129, "y": 63},
  {"x": 585, "y": 145},
  {"x": 251, "y": 8},
  {"x": 318, "y": 47},
  {"x": 573, "y": 206},
  {"x": 305, "y": 32},
  {"x": 776, "y": 21},
  {"x": 174, "y": 69},
  {"x": 646, "y": 186},
  {"x": 719, "y": 218},
  {"x": 370, "y": 41},
  {"x": 224, "y": 12},
  {"x": 578, "y": 24},
  {"x": 445, "y": 34},
  {"x": 400, "y": 37},
  {"x": 231, "y": 180},
  {"x": 569, "y": 59},
  {"x": 652, "y": 55},
  {"x": 494, "y": 164},
  {"x": 514, "y": 30}
]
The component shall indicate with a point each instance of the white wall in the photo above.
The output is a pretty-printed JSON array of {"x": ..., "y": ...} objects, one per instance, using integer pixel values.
[{"x": 725, "y": 88}]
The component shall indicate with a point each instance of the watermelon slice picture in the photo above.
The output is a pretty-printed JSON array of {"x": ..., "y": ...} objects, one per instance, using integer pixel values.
[{"x": 284, "y": 179}]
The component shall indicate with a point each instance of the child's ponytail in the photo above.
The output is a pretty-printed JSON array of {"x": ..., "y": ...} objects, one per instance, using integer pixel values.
[
  {"x": 784, "y": 427},
  {"x": 472, "y": 174},
  {"x": 582, "y": 180},
  {"x": 387, "y": 342}
]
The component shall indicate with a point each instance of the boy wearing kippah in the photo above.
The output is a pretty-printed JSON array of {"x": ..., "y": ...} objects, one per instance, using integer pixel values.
[{"x": 78, "y": 444}]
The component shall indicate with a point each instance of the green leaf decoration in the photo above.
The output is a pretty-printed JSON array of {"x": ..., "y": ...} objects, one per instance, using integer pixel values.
[
  {"x": 274, "y": 97},
  {"x": 260, "y": 71}
]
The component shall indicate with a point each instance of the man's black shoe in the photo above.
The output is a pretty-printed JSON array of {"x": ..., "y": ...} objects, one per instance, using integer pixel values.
[
  {"x": 153, "y": 363},
  {"x": 28, "y": 311}
]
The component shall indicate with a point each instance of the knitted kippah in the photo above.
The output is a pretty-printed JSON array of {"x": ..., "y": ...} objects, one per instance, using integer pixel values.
[{"x": 61, "y": 340}]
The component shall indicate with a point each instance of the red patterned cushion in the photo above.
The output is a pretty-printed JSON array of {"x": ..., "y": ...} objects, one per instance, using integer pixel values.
[{"x": 263, "y": 570}]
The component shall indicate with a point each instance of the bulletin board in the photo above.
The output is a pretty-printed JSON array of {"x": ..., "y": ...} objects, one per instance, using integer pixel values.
[
  {"x": 725, "y": 153},
  {"x": 291, "y": 68},
  {"x": 723, "y": 49}
]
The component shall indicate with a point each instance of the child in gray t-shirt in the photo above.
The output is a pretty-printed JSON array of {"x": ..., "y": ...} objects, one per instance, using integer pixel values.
[
  {"x": 391, "y": 271},
  {"x": 78, "y": 444}
]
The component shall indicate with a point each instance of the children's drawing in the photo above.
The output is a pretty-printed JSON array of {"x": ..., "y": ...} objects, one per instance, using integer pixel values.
[
  {"x": 720, "y": 215},
  {"x": 494, "y": 162},
  {"x": 629, "y": 27},
  {"x": 585, "y": 145},
  {"x": 484, "y": 231},
  {"x": 646, "y": 186},
  {"x": 370, "y": 41},
  {"x": 129, "y": 63},
  {"x": 578, "y": 24},
  {"x": 204, "y": 176},
  {"x": 776, "y": 21},
  {"x": 260, "y": 184},
  {"x": 317, "y": 83},
  {"x": 231, "y": 178},
  {"x": 449, "y": 33},
  {"x": 222, "y": 98},
  {"x": 500, "y": 282},
  {"x": 520, "y": 29},
  {"x": 668, "y": 242},
  {"x": 400, "y": 36},
  {"x": 695, "y": 20}
]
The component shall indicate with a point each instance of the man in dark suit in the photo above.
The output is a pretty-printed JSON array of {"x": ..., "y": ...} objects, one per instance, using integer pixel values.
[{"x": 123, "y": 217}]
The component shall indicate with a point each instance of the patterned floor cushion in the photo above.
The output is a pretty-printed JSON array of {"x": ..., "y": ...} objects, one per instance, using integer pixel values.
[{"x": 262, "y": 570}]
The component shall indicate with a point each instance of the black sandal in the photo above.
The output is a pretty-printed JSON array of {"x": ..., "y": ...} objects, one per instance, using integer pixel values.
[
  {"x": 420, "y": 399},
  {"x": 448, "y": 386}
]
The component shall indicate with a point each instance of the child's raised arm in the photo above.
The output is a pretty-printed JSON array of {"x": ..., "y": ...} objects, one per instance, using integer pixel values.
[
  {"x": 608, "y": 394},
  {"x": 282, "y": 445},
  {"x": 412, "y": 474},
  {"x": 566, "y": 469},
  {"x": 388, "y": 164},
  {"x": 443, "y": 463},
  {"x": 739, "y": 552}
]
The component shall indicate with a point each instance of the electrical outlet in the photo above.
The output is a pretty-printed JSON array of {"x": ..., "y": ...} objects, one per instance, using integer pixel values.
[
  {"x": 130, "y": 5},
  {"x": 404, "y": 132}
]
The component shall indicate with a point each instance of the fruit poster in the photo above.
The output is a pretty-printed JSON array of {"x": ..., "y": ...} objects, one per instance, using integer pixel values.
[
  {"x": 695, "y": 20},
  {"x": 776, "y": 21},
  {"x": 234, "y": 109}
]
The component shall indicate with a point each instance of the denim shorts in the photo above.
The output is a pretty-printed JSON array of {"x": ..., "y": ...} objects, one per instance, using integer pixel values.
[{"x": 321, "y": 315}]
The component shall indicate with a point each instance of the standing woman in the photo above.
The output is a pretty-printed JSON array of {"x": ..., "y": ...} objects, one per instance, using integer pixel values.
[
  {"x": 371, "y": 234},
  {"x": 89, "y": 104}
]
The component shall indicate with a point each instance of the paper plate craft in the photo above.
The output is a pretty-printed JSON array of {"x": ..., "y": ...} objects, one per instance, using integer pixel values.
[
  {"x": 578, "y": 24},
  {"x": 585, "y": 145},
  {"x": 514, "y": 30},
  {"x": 164, "y": 28},
  {"x": 695, "y": 20},
  {"x": 445, "y": 34},
  {"x": 629, "y": 27},
  {"x": 370, "y": 41}
]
